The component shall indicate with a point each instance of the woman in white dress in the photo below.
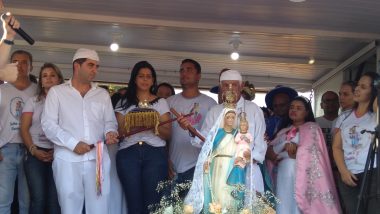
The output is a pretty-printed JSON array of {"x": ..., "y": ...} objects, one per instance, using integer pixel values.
[{"x": 304, "y": 180}]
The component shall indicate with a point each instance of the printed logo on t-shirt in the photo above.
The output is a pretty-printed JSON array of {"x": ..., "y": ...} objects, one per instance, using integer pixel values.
[
  {"x": 355, "y": 137},
  {"x": 16, "y": 106},
  {"x": 197, "y": 116}
]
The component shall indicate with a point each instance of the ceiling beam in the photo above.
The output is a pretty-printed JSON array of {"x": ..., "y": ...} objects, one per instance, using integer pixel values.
[
  {"x": 174, "y": 55},
  {"x": 53, "y": 14}
]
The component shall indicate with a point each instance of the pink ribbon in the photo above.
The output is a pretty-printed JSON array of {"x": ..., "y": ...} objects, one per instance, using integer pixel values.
[
  {"x": 99, "y": 167},
  {"x": 291, "y": 134}
]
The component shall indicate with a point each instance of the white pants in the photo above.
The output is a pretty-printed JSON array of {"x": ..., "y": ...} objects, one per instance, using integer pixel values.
[
  {"x": 75, "y": 182},
  {"x": 118, "y": 202}
]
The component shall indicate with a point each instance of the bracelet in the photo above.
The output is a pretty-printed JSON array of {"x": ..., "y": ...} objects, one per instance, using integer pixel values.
[
  {"x": 8, "y": 42},
  {"x": 32, "y": 149}
]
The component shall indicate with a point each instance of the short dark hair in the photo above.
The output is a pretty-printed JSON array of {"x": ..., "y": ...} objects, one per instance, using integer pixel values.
[
  {"x": 80, "y": 61},
  {"x": 351, "y": 84},
  {"x": 22, "y": 52},
  {"x": 166, "y": 85},
  {"x": 331, "y": 92},
  {"x": 195, "y": 63}
]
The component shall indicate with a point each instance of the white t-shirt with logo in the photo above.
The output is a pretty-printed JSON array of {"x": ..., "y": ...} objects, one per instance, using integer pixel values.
[
  {"x": 161, "y": 106},
  {"x": 356, "y": 144},
  {"x": 182, "y": 153},
  {"x": 35, "y": 107},
  {"x": 12, "y": 101}
]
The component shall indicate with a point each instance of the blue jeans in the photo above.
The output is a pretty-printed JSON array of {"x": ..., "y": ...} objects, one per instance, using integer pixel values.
[
  {"x": 12, "y": 167},
  {"x": 140, "y": 169},
  {"x": 43, "y": 194}
]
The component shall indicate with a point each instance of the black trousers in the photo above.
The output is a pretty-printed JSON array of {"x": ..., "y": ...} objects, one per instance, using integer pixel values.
[{"x": 350, "y": 195}]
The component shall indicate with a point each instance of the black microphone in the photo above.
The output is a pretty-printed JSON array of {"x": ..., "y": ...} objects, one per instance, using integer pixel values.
[{"x": 21, "y": 33}]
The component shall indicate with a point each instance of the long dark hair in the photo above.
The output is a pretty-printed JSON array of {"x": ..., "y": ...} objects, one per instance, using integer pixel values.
[
  {"x": 40, "y": 91},
  {"x": 374, "y": 77},
  {"x": 131, "y": 95},
  {"x": 309, "y": 117}
]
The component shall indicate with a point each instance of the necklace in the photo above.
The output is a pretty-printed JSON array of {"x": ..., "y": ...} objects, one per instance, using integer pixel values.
[
  {"x": 228, "y": 131},
  {"x": 143, "y": 103}
]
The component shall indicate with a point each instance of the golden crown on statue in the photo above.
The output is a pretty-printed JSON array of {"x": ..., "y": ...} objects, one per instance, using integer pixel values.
[{"x": 229, "y": 98}]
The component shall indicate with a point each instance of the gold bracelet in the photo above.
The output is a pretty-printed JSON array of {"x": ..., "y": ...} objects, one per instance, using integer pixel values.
[{"x": 32, "y": 149}]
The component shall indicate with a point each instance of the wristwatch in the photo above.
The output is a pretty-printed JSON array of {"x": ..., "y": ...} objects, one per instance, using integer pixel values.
[{"x": 8, "y": 42}]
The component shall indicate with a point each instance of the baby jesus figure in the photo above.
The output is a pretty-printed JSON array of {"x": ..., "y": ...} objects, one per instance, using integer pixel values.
[{"x": 243, "y": 155}]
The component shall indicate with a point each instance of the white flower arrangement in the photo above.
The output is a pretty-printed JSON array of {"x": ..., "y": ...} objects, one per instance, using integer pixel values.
[{"x": 173, "y": 204}]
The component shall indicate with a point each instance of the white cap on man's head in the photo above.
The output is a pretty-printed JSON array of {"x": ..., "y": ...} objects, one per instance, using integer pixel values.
[
  {"x": 86, "y": 53},
  {"x": 231, "y": 75}
]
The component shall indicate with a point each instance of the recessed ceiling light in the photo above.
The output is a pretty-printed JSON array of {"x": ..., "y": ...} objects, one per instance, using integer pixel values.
[
  {"x": 235, "y": 55},
  {"x": 311, "y": 60},
  {"x": 114, "y": 47}
]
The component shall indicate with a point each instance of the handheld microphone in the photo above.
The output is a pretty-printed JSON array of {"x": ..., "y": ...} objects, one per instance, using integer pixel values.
[{"x": 21, "y": 32}]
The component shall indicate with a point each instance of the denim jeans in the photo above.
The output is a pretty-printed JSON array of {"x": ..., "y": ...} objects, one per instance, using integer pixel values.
[
  {"x": 43, "y": 194},
  {"x": 140, "y": 169},
  {"x": 12, "y": 167}
]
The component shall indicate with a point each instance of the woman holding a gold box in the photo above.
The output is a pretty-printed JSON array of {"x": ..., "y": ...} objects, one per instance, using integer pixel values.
[{"x": 142, "y": 158}]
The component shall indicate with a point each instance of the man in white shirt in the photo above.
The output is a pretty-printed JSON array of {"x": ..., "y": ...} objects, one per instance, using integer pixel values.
[
  {"x": 77, "y": 116},
  {"x": 330, "y": 106},
  {"x": 183, "y": 155},
  {"x": 12, "y": 99},
  {"x": 255, "y": 115}
]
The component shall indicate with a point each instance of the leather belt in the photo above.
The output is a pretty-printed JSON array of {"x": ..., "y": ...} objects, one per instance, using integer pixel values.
[{"x": 223, "y": 156}]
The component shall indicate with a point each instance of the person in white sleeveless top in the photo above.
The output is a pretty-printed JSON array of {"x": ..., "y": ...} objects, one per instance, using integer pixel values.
[
  {"x": 38, "y": 159},
  {"x": 12, "y": 100},
  {"x": 351, "y": 144}
]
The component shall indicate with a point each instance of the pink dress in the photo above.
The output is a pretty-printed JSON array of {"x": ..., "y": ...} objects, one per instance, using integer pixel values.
[
  {"x": 314, "y": 187},
  {"x": 237, "y": 175}
]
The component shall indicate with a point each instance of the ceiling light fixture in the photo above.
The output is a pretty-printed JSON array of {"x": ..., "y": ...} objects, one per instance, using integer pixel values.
[
  {"x": 297, "y": 1},
  {"x": 235, "y": 55},
  {"x": 235, "y": 42},
  {"x": 116, "y": 38},
  {"x": 311, "y": 60},
  {"x": 114, "y": 47}
]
